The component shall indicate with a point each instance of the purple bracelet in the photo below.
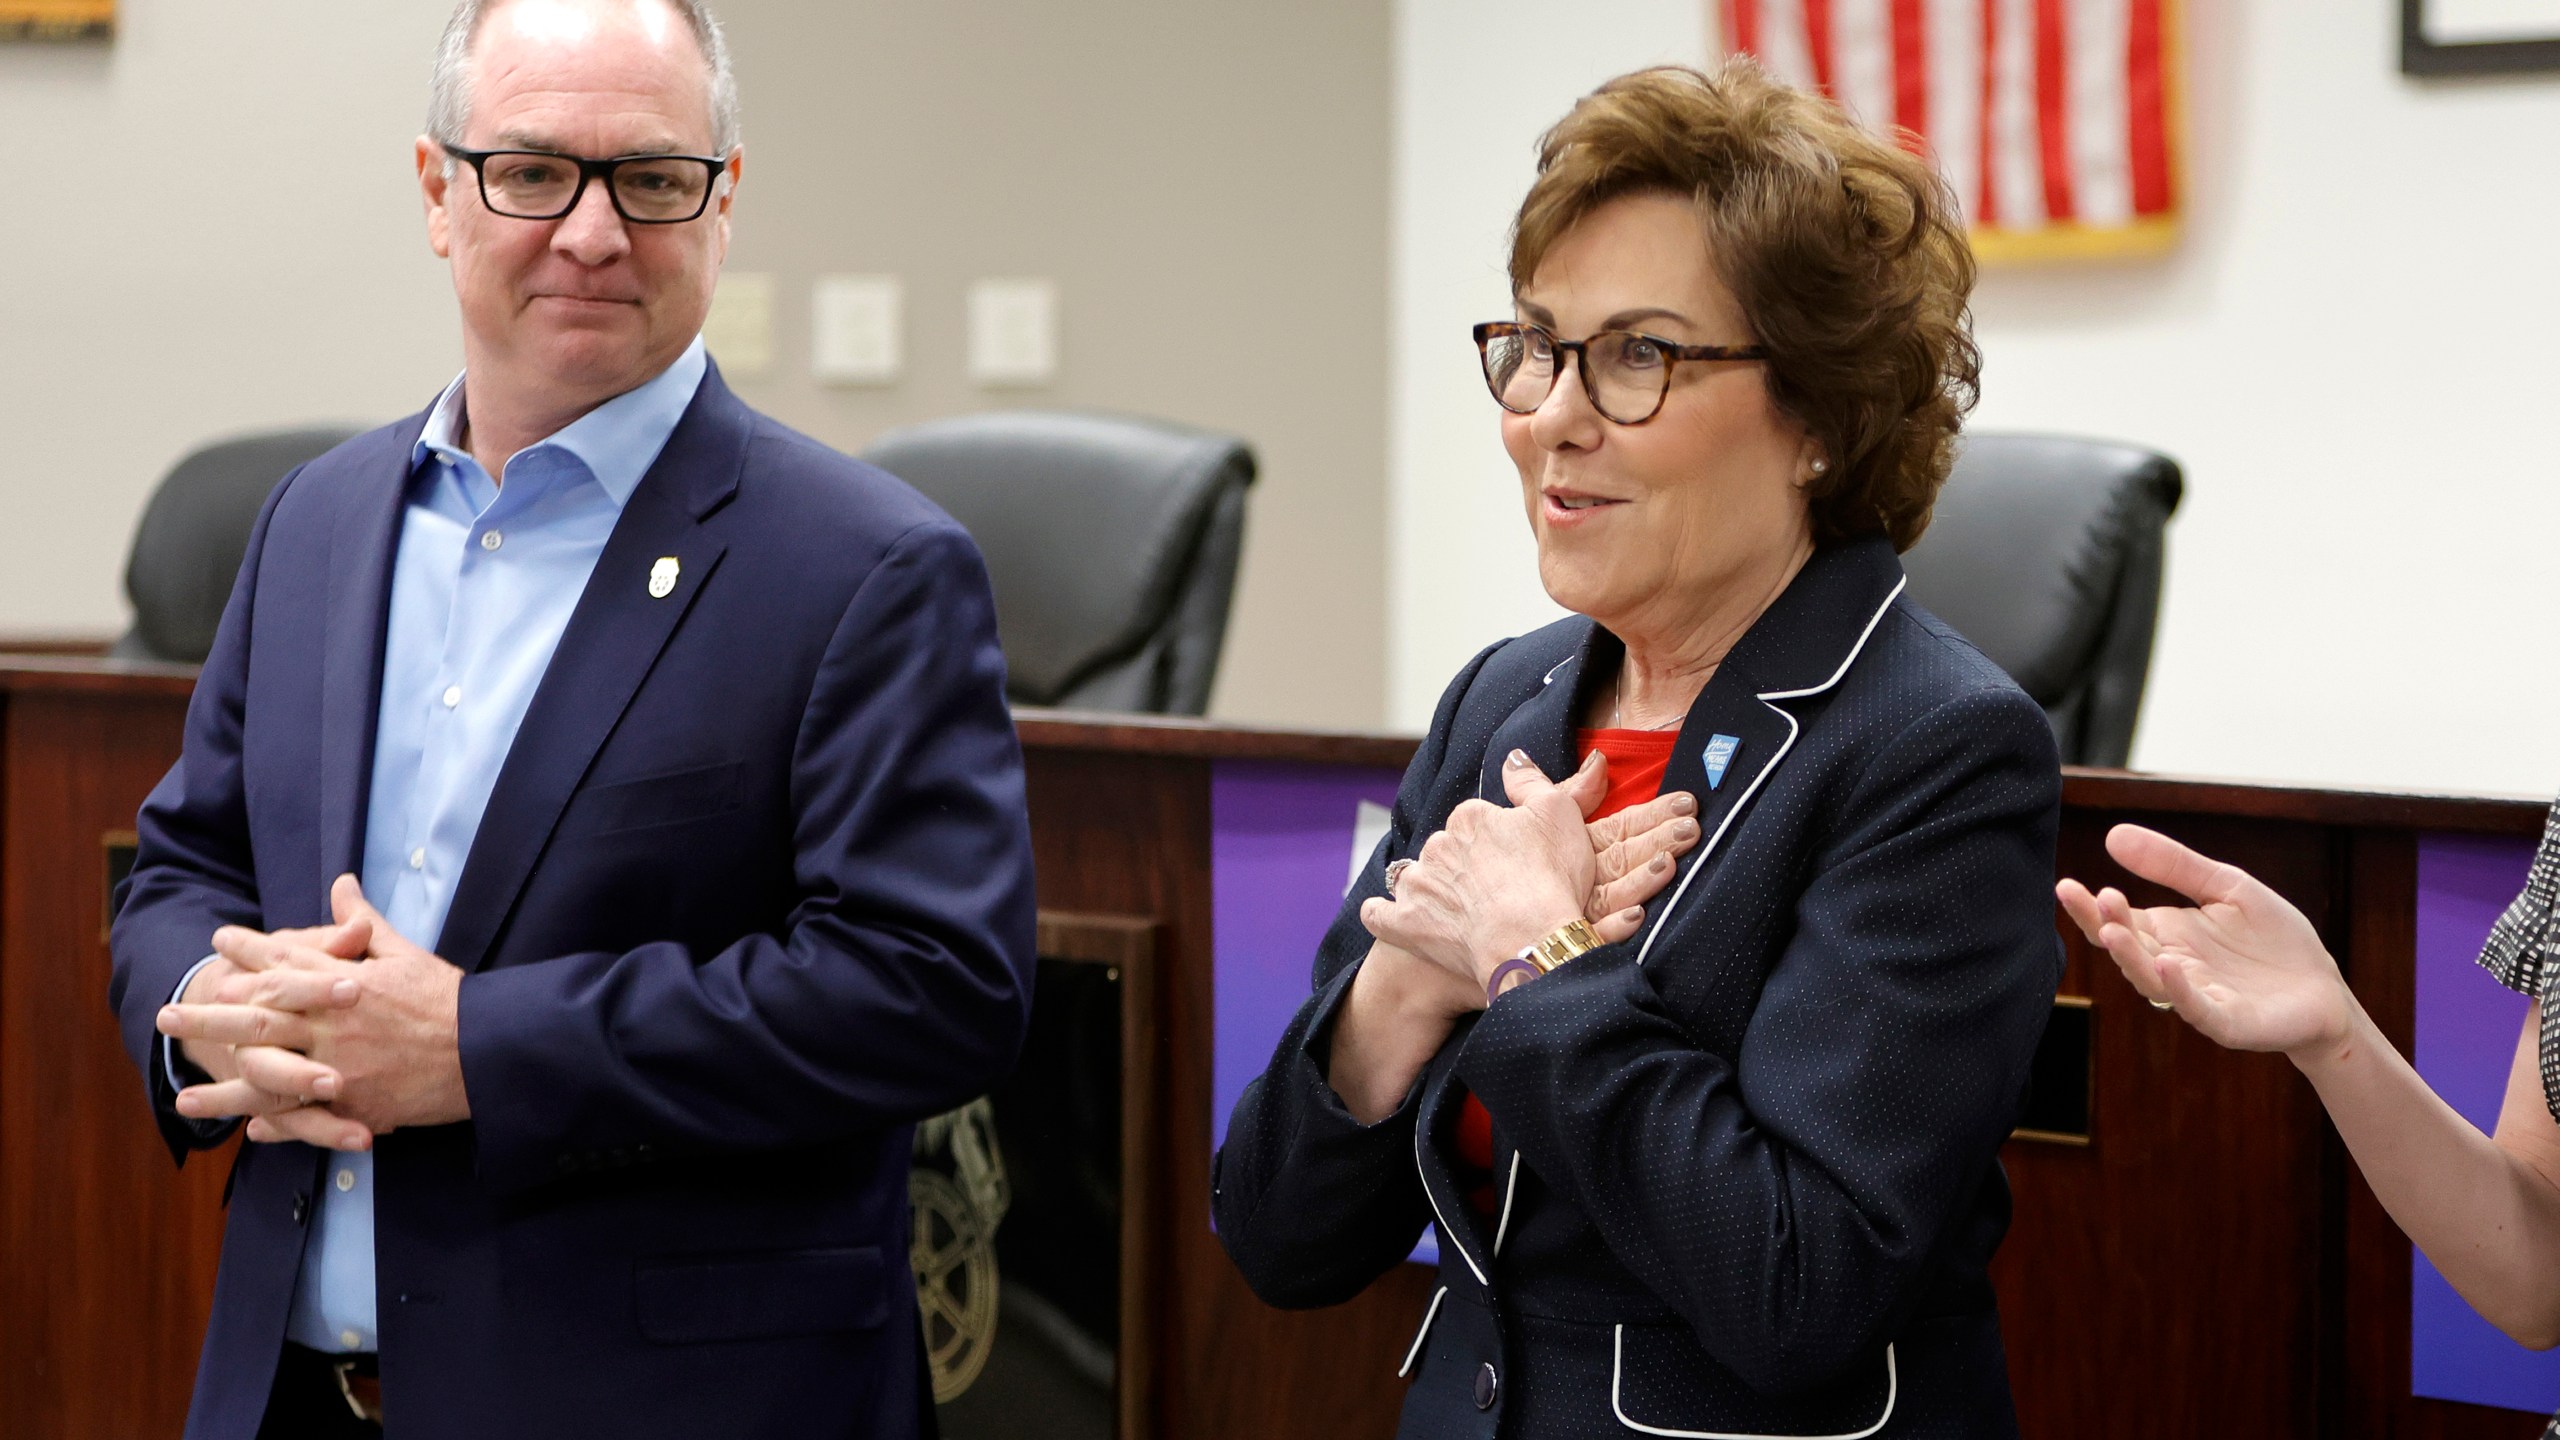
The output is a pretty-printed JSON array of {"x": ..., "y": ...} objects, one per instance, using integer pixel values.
[{"x": 1493, "y": 987}]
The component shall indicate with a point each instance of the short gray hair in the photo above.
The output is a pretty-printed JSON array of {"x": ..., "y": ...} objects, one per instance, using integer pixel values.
[{"x": 449, "y": 92}]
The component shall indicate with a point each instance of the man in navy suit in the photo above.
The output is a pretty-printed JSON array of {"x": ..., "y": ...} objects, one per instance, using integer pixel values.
[{"x": 599, "y": 836}]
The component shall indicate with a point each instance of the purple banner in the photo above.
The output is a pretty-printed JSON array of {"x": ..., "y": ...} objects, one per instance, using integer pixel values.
[
  {"x": 2466, "y": 1040},
  {"x": 1284, "y": 843}
]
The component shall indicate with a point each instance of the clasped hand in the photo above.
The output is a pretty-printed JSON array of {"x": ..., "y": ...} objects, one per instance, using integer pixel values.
[
  {"x": 330, "y": 1035},
  {"x": 1497, "y": 879}
]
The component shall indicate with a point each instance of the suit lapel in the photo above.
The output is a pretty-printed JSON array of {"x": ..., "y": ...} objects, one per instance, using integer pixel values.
[
  {"x": 613, "y": 638},
  {"x": 1747, "y": 714},
  {"x": 364, "y": 540},
  {"x": 1544, "y": 724},
  {"x": 1730, "y": 719}
]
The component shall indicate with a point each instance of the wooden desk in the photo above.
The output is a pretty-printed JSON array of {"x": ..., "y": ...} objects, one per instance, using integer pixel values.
[
  {"x": 106, "y": 1252},
  {"x": 2206, "y": 1266}
]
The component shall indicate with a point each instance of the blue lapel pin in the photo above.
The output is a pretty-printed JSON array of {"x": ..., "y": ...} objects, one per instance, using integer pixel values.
[{"x": 1720, "y": 750}]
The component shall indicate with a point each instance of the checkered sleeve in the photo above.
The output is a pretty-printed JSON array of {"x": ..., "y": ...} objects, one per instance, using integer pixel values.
[{"x": 2513, "y": 953}]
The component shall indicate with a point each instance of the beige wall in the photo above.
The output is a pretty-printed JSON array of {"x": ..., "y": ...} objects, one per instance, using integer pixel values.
[{"x": 1206, "y": 184}]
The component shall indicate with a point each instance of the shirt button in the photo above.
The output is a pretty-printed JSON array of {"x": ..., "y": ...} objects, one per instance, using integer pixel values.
[
  {"x": 346, "y": 1180},
  {"x": 1486, "y": 1384},
  {"x": 491, "y": 539},
  {"x": 418, "y": 858},
  {"x": 452, "y": 696},
  {"x": 350, "y": 1339}
]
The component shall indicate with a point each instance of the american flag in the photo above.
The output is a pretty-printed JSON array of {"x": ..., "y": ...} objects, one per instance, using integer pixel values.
[{"x": 2055, "y": 120}]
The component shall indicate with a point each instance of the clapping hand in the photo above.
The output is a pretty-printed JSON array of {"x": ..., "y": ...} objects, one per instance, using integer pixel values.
[{"x": 2242, "y": 965}]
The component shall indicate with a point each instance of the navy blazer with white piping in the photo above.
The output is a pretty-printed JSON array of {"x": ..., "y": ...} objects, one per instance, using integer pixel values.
[
  {"x": 752, "y": 894},
  {"x": 1748, "y": 1159}
]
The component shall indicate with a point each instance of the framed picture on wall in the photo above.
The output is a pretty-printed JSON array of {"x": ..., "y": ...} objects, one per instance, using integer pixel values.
[
  {"x": 2479, "y": 37},
  {"x": 57, "y": 19}
]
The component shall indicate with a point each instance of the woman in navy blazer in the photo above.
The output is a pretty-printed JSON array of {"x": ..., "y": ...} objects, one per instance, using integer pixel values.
[{"x": 1710, "y": 1141}]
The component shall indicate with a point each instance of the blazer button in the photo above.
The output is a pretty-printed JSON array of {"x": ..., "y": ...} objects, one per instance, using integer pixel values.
[{"x": 1487, "y": 1383}]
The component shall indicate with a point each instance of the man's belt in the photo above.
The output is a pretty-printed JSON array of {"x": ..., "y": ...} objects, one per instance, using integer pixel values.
[{"x": 360, "y": 1381}]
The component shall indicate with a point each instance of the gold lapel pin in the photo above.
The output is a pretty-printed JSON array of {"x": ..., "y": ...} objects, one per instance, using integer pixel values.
[{"x": 662, "y": 577}]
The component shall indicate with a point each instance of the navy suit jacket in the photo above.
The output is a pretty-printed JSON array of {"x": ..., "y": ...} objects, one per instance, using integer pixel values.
[
  {"x": 752, "y": 895},
  {"x": 1747, "y": 1160}
]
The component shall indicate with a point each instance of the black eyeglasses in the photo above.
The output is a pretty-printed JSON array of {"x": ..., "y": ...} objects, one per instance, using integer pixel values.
[
  {"x": 1625, "y": 374},
  {"x": 646, "y": 189}
]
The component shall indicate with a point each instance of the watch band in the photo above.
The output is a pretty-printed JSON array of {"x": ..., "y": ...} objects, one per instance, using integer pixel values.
[
  {"x": 1573, "y": 937},
  {"x": 1520, "y": 965}
]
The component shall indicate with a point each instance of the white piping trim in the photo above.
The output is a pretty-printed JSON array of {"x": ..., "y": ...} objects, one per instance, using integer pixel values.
[
  {"x": 1414, "y": 1350},
  {"x": 1617, "y": 1364},
  {"x": 1794, "y": 728},
  {"x": 1448, "y": 1236},
  {"x": 1510, "y": 1188},
  {"x": 1852, "y": 658}
]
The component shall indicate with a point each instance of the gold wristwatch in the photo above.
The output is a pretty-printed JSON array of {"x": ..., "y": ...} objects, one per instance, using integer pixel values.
[{"x": 1573, "y": 937}]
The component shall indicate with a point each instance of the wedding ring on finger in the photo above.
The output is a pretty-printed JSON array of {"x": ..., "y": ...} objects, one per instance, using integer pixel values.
[
  {"x": 2164, "y": 1005},
  {"x": 1395, "y": 872}
]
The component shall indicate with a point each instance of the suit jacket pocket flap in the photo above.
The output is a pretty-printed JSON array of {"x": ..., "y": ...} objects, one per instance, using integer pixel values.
[
  {"x": 656, "y": 800},
  {"x": 761, "y": 1297},
  {"x": 1665, "y": 1383}
]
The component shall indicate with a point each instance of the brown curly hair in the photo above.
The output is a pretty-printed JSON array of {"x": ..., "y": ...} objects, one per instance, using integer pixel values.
[{"x": 1846, "y": 252}]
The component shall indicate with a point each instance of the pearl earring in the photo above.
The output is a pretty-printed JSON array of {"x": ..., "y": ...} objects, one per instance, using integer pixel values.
[{"x": 1821, "y": 466}]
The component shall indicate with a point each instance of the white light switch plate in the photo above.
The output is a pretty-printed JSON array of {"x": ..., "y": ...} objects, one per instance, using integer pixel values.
[
  {"x": 1013, "y": 332},
  {"x": 739, "y": 330},
  {"x": 858, "y": 329}
]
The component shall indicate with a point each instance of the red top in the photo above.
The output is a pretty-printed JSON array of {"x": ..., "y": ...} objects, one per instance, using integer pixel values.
[{"x": 1637, "y": 759}]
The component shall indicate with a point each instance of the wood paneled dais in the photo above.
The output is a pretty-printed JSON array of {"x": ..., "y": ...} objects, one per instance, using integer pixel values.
[
  {"x": 2205, "y": 1265},
  {"x": 107, "y": 1250}
]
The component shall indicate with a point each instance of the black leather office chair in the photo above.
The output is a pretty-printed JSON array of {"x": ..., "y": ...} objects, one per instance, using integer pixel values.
[
  {"x": 1112, "y": 543},
  {"x": 2046, "y": 552},
  {"x": 187, "y": 550}
]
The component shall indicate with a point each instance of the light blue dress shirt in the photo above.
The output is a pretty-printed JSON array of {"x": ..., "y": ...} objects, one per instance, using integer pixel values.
[{"x": 483, "y": 585}]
